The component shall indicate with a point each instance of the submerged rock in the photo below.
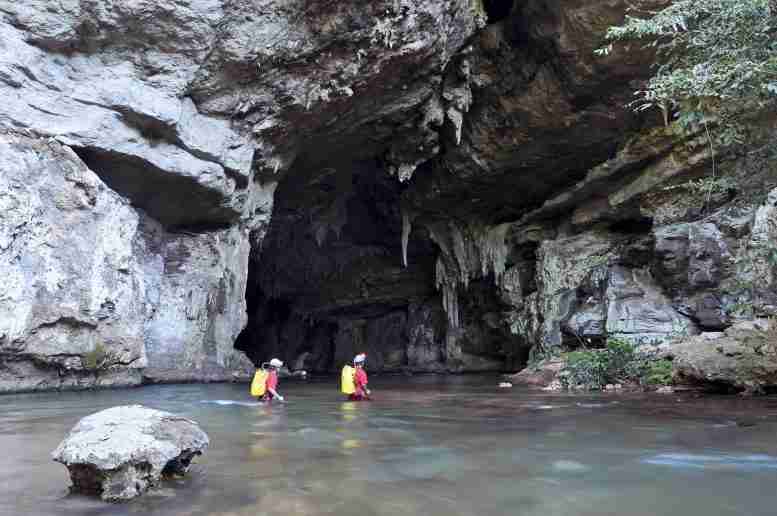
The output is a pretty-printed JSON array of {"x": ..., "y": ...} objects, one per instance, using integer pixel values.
[{"x": 121, "y": 452}]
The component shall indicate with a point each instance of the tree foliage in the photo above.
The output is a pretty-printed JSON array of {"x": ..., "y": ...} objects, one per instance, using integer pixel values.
[{"x": 717, "y": 60}]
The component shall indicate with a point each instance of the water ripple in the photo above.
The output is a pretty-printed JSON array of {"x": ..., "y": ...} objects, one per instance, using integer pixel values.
[{"x": 722, "y": 461}]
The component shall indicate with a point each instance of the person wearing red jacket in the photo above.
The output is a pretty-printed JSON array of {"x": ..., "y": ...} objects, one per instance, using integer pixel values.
[
  {"x": 271, "y": 383},
  {"x": 360, "y": 379}
]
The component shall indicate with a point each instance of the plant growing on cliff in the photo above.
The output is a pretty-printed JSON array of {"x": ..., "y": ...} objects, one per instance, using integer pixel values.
[
  {"x": 704, "y": 186},
  {"x": 97, "y": 359},
  {"x": 717, "y": 61},
  {"x": 478, "y": 10}
]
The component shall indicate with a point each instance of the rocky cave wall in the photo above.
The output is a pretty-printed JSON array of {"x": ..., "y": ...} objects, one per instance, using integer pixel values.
[
  {"x": 183, "y": 116},
  {"x": 417, "y": 275},
  {"x": 535, "y": 213},
  {"x": 448, "y": 185}
]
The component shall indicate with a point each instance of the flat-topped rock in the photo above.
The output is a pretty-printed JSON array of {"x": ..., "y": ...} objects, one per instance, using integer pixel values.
[{"x": 121, "y": 452}]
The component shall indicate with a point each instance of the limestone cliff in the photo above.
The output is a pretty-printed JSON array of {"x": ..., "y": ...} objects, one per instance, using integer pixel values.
[
  {"x": 448, "y": 185},
  {"x": 96, "y": 292},
  {"x": 142, "y": 145}
]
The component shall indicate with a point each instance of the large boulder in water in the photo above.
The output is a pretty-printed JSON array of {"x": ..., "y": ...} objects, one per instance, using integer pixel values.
[{"x": 121, "y": 452}]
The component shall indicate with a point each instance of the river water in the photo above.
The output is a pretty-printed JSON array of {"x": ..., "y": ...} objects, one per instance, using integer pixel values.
[{"x": 427, "y": 445}]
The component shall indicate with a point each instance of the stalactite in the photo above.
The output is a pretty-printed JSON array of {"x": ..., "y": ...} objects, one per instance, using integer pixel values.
[
  {"x": 332, "y": 218},
  {"x": 405, "y": 171},
  {"x": 449, "y": 288},
  {"x": 465, "y": 254},
  {"x": 461, "y": 253},
  {"x": 457, "y": 119},
  {"x": 493, "y": 250},
  {"x": 406, "y": 228},
  {"x": 458, "y": 98}
]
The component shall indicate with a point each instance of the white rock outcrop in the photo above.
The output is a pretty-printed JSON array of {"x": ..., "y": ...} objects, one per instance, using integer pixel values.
[
  {"x": 121, "y": 452},
  {"x": 93, "y": 287}
]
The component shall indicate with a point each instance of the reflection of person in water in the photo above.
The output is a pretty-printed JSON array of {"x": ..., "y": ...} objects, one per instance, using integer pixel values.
[{"x": 360, "y": 379}]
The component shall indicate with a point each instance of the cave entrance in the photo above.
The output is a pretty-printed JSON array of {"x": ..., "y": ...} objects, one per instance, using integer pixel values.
[
  {"x": 497, "y": 10},
  {"x": 328, "y": 282}
]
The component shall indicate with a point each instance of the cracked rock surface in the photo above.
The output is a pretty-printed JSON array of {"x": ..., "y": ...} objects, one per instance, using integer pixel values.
[
  {"x": 121, "y": 452},
  {"x": 95, "y": 291}
]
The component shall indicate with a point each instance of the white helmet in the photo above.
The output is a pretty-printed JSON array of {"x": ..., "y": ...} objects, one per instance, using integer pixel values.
[
  {"x": 276, "y": 363},
  {"x": 360, "y": 358}
]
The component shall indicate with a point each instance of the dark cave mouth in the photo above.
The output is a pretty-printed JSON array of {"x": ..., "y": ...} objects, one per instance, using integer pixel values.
[
  {"x": 315, "y": 301},
  {"x": 497, "y": 10},
  {"x": 328, "y": 280}
]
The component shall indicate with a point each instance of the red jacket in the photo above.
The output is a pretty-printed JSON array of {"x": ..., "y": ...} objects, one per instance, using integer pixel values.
[
  {"x": 360, "y": 378},
  {"x": 272, "y": 381}
]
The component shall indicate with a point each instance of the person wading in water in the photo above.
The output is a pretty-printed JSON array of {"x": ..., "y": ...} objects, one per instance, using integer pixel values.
[
  {"x": 361, "y": 392},
  {"x": 265, "y": 383}
]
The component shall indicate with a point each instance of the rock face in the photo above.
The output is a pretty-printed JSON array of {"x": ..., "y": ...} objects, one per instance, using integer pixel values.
[
  {"x": 75, "y": 295},
  {"x": 450, "y": 185},
  {"x": 121, "y": 452},
  {"x": 185, "y": 115},
  {"x": 96, "y": 291},
  {"x": 126, "y": 211},
  {"x": 352, "y": 262},
  {"x": 744, "y": 357}
]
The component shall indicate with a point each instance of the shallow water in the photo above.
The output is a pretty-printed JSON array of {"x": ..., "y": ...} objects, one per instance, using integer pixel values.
[{"x": 431, "y": 445}]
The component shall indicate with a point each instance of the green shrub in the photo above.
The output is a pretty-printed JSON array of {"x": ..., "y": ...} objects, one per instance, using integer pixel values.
[
  {"x": 620, "y": 358},
  {"x": 585, "y": 370},
  {"x": 617, "y": 363},
  {"x": 659, "y": 372}
]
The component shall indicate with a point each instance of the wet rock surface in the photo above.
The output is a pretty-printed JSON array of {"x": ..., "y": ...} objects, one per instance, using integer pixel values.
[{"x": 121, "y": 452}]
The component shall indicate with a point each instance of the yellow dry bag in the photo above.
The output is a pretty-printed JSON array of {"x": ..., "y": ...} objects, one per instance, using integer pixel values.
[
  {"x": 259, "y": 384},
  {"x": 346, "y": 380}
]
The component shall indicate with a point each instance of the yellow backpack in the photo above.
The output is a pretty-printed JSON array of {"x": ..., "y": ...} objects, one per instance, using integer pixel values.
[
  {"x": 347, "y": 385},
  {"x": 259, "y": 383}
]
